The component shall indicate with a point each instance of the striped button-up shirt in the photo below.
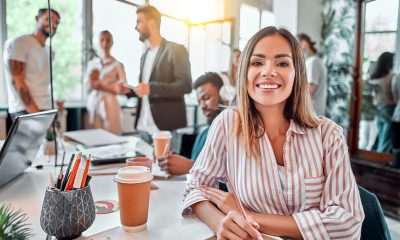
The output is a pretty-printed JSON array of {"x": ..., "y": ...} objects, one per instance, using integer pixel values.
[{"x": 321, "y": 192}]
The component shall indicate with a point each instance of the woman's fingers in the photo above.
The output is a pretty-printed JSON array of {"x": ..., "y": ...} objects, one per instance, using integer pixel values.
[
  {"x": 237, "y": 230},
  {"x": 163, "y": 162},
  {"x": 245, "y": 225}
]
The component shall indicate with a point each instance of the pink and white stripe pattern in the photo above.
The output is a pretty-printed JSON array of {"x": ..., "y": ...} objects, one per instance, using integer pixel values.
[{"x": 321, "y": 192}]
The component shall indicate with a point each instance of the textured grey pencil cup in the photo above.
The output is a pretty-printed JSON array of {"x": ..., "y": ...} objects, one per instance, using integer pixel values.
[{"x": 66, "y": 215}]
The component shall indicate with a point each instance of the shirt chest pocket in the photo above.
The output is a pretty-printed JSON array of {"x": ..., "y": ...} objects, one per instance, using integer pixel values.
[{"x": 313, "y": 190}]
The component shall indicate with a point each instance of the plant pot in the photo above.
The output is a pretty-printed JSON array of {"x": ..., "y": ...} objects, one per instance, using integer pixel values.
[
  {"x": 66, "y": 214},
  {"x": 50, "y": 148}
]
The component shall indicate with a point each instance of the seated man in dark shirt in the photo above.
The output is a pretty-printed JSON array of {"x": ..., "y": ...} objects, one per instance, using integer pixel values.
[{"x": 207, "y": 87}]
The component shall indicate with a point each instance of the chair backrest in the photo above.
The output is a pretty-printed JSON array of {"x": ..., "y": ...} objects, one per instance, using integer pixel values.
[{"x": 374, "y": 226}]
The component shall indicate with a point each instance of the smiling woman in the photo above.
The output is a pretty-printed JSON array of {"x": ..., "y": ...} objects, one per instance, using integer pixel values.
[{"x": 290, "y": 169}]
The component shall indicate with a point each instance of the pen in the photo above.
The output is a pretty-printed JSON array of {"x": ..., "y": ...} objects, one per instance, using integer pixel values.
[
  {"x": 238, "y": 202},
  {"x": 72, "y": 175},
  {"x": 85, "y": 172},
  {"x": 65, "y": 179},
  {"x": 51, "y": 181}
]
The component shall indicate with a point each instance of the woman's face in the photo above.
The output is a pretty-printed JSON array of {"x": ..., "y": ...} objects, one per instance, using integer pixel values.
[
  {"x": 271, "y": 72},
  {"x": 105, "y": 41}
]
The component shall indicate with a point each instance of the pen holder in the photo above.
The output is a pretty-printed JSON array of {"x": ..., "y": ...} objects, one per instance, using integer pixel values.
[{"x": 66, "y": 214}]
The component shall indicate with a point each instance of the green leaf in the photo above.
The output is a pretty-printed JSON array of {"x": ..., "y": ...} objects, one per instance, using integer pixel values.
[{"x": 13, "y": 224}]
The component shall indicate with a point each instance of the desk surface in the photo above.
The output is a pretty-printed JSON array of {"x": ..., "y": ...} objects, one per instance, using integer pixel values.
[{"x": 165, "y": 220}]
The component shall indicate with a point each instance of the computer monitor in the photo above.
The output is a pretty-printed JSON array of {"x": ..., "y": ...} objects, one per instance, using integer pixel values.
[{"x": 22, "y": 143}]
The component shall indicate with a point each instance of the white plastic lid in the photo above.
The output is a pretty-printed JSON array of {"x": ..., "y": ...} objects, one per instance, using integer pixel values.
[
  {"x": 162, "y": 135},
  {"x": 134, "y": 174}
]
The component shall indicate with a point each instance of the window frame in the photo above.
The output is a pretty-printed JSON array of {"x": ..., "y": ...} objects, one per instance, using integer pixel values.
[{"x": 355, "y": 105}]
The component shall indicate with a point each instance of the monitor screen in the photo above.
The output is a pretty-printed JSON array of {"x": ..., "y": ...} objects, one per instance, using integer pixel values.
[{"x": 23, "y": 142}]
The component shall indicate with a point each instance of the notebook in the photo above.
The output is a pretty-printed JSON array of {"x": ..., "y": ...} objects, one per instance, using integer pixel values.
[{"x": 94, "y": 137}]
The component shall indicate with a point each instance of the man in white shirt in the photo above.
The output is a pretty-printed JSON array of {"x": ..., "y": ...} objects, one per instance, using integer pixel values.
[
  {"x": 316, "y": 74},
  {"x": 27, "y": 68},
  {"x": 164, "y": 77}
]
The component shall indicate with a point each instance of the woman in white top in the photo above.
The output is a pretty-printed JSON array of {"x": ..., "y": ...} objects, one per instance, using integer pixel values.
[
  {"x": 381, "y": 78},
  {"x": 289, "y": 169},
  {"x": 102, "y": 76},
  {"x": 396, "y": 115},
  {"x": 228, "y": 91}
]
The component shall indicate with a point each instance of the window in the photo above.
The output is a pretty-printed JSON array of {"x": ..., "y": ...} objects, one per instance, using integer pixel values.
[
  {"x": 174, "y": 30},
  {"x": 121, "y": 22},
  {"x": 380, "y": 29},
  {"x": 267, "y": 19},
  {"x": 210, "y": 48},
  {"x": 249, "y": 23},
  {"x": 252, "y": 19},
  {"x": 67, "y": 60}
]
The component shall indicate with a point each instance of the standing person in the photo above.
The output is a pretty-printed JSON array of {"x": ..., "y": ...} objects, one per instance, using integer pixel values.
[
  {"x": 102, "y": 76},
  {"x": 228, "y": 91},
  {"x": 381, "y": 78},
  {"x": 290, "y": 169},
  {"x": 27, "y": 67},
  {"x": 207, "y": 87},
  {"x": 316, "y": 74},
  {"x": 164, "y": 78},
  {"x": 396, "y": 122}
]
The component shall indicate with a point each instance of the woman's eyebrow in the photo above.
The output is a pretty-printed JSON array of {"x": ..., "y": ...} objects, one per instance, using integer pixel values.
[{"x": 281, "y": 55}]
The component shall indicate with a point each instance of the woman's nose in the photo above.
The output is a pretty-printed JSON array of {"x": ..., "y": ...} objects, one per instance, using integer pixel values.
[{"x": 268, "y": 70}]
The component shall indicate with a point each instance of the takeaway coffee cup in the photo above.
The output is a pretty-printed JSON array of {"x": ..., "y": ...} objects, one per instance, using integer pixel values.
[
  {"x": 139, "y": 161},
  {"x": 134, "y": 191},
  {"x": 162, "y": 143}
]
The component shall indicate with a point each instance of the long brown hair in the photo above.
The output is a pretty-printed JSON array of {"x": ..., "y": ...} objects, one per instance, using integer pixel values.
[{"x": 298, "y": 106}]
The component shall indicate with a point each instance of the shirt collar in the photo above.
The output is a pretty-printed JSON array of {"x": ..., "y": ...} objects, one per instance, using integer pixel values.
[{"x": 296, "y": 128}]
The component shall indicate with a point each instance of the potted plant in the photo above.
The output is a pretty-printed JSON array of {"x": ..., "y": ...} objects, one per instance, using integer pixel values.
[
  {"x": 13, "y": 224},
  {"x": 50, "y": 147}
]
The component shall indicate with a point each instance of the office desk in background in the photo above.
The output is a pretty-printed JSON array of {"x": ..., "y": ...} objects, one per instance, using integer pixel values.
[{"x": 165, "y": 220}]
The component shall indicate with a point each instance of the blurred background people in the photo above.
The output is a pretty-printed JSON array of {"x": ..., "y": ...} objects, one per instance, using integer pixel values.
[
  {"x": 381, "y": 78},
  {"x": 316, "y": 74},
  {"x": 102, "y": 76},
  {"x": 27, "y": 67},
  {"x": 396, "y": 122},
  {"x": 207, "y": 87},
  {"x": 164, "y": 78},
  {"x": 228, "y": 91}
]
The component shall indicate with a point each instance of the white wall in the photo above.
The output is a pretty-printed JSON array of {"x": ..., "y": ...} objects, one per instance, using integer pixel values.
[
  {"x": 300, "y": 16},
  {"x": 3, "y": 37},
  {"x": 286, "y": 13},
  {"x": 232, "y": 10},
  {"x": 309, "y": 19}
]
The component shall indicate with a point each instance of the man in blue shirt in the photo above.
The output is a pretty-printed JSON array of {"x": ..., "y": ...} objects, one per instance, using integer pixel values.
[{"x": 207, "y": 87}]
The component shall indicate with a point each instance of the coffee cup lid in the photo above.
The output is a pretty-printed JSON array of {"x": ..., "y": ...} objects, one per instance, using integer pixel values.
[
  {"x": 133, "y": 174},
  {"x": 162, "y": 134}
]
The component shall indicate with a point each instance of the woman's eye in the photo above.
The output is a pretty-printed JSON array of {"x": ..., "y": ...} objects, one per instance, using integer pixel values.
[
  {"x": 282, "y": 64},
  {"x": 256, "y": 63}
]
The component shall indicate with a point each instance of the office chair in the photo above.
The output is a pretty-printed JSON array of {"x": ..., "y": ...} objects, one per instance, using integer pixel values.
[{"x": 374, "y": 226}]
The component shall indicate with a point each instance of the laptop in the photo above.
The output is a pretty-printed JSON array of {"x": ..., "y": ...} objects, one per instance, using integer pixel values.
[{"x": 22, "y": 143}]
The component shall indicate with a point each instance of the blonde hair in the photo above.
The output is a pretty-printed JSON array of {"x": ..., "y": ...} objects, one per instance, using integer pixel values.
[{"x": 298, "y": 106}]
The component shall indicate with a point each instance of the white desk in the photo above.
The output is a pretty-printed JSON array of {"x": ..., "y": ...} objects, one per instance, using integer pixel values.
[{"x": 165, "y": 220}]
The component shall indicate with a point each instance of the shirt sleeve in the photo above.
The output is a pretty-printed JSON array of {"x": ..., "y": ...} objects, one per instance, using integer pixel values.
[
  {"x": 314, "y": 72},
  {"x": 340, "y": 213},
  {"x": 182, "y": 83},
  {"x": 15, "y": 50},
  {"x": 209, "y": 165}
]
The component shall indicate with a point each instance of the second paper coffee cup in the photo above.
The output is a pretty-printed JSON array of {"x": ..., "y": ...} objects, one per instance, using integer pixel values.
[
  {"x": 134, "y": 193},
  {"x": 162, "y": 143}
]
